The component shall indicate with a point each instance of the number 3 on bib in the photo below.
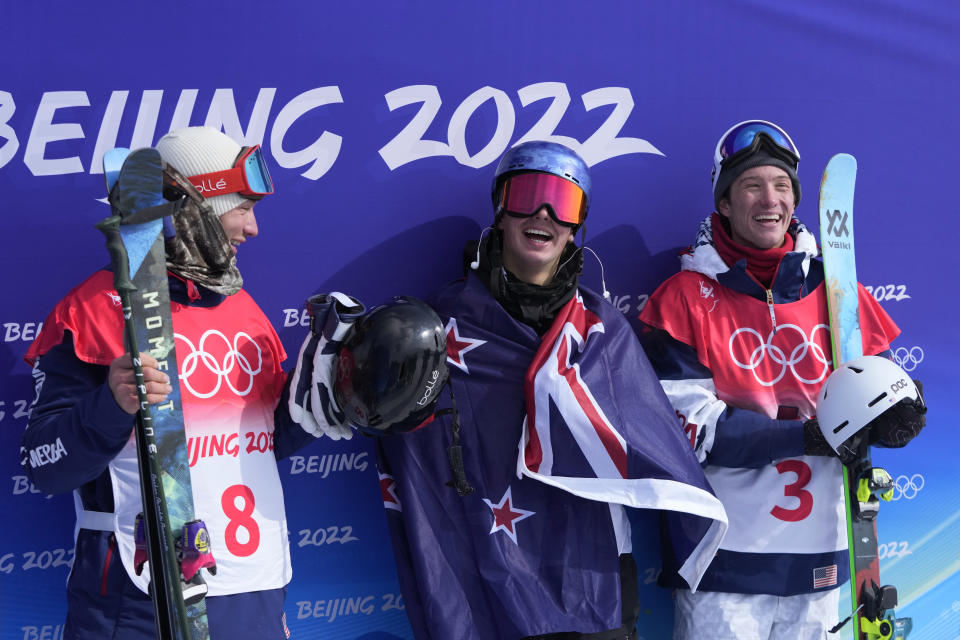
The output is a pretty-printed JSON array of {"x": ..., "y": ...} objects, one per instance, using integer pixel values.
[{"x": 795, "y": 490}]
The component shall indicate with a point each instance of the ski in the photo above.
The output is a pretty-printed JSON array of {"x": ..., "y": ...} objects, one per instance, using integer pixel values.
[
  {"x": 173, "y": 543},
  {"x": 864, "y": 485}
]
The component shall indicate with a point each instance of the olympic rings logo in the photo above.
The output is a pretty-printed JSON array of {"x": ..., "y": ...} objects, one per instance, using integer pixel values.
[
  {"x": 806, "y": 351},
  {"x": 908, "y": 359},
  {"x": 907, "y": 487},
  {"x": 221, "y": 369}
]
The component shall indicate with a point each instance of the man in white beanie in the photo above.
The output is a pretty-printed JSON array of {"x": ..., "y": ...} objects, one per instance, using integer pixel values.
[{"x": 231, "y": 394}]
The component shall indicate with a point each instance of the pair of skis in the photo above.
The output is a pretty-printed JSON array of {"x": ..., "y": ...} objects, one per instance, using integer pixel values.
[
  {"x": 864, "y": 484},
  {"x": 168, "y": 536}
]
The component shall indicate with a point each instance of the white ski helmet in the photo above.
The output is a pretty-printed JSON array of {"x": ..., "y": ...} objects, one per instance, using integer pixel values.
[{"x": 856, "y": 393}]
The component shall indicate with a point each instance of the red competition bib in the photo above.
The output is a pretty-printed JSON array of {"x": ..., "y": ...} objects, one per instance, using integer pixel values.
[
  {"x": 760, "y": 361},
  {"x": 771, "y": 363},
  {"x": 229, "y": 359}
]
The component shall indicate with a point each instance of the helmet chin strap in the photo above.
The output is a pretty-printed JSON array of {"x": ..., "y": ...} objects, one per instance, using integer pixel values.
[{"x": 454, "y": 452}]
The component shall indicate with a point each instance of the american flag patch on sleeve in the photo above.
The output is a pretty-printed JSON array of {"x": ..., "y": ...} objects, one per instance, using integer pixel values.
[{"x": 825, "y": 576}]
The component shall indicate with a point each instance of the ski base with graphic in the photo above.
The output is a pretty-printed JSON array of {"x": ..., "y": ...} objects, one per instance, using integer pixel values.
[
  {"x": 864, "y": 484},
  {"x": 173, "y": 541}
]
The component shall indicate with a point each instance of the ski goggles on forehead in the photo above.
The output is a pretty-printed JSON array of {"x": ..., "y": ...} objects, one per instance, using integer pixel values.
[
  {"x": 523, "y": 194},
  {"x": 744, "y": 139},
  {"x": 249, "y": 177}
]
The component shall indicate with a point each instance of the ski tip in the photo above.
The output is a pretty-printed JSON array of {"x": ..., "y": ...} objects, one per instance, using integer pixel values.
[
  {"x": 841, "y": 168},
  {"x": 843, "y": 158},
  {"x": 143, "y": 155},
  {"x": 115, "y": 156},
  {"x": 112, "y": 161},
  {"x": 140, "y": 181}
]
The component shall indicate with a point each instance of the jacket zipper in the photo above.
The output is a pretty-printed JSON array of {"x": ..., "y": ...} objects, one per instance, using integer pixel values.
[{"x": 773, "y": 317}]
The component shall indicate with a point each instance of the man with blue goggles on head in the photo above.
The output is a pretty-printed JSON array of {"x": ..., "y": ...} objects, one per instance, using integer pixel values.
[{"x": 740, "y": 340}]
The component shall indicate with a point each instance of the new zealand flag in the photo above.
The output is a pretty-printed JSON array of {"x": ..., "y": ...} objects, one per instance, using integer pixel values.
[{"x": 558, "y": 435}]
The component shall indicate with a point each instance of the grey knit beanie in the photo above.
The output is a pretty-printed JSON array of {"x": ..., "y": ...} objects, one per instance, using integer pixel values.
[{"x": 194, "y": 151}]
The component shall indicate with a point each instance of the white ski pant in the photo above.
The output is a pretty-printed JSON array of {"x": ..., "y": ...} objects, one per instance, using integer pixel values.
[{"x": 738, "y": 616}]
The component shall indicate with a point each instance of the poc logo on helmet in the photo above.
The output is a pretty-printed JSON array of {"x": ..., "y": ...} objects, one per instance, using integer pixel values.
[
  {"x": 899, "y": 385},
  {"x": 428, "y": 390}
]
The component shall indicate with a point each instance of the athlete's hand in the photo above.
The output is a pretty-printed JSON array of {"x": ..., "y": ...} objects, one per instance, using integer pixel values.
[
  {"x": 312, "y": 404},
  {"x": 123, "y": 384},
  {"x": 814, "y": 444},
  {"x": 901, "y": 423}
]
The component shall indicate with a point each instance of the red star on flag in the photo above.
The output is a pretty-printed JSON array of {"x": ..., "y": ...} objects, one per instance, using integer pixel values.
[
  {"x": 505, "y": 515},
  {"x": 388, "y": 491},
  {"x": 457, "y": 345}
]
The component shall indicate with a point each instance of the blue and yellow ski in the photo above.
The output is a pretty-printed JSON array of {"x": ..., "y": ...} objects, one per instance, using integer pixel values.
[{"x": 864, "y": 485}]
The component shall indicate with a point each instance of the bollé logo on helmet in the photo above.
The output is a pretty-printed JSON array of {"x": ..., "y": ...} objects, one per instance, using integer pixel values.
[{"x": 428, "y": 390}]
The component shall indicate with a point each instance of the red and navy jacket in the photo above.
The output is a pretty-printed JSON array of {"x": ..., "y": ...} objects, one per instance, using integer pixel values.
[
  {"x": 76, "y": 430},
  {"x": 741, "y": 365}
]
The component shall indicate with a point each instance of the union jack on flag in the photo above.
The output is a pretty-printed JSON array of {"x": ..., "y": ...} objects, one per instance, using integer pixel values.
[
  {"x": 559, "y": 433},
  {"x": 825, "y": 576}
]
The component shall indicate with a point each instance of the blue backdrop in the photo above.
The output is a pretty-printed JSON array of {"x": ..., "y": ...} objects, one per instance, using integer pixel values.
[{"x": 382, "y": 122}]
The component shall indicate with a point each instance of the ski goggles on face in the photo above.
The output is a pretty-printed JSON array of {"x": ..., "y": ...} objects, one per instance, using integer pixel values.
[
  {"x": 523, "y": 194},
  {"x": 249, "y": 177},
  {"x": 745, "y": 138}
]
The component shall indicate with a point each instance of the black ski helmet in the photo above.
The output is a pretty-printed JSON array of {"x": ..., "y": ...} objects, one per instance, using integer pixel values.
[{"x": 390, "y": 368}]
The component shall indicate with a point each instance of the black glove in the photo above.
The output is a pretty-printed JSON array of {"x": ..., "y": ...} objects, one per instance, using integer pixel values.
[
  {"x": 814, "y": 444},
  {"x": 901, "y": 423}
]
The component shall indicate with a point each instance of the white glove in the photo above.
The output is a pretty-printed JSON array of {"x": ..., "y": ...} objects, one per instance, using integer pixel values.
[{"x": 312, "y": 404}]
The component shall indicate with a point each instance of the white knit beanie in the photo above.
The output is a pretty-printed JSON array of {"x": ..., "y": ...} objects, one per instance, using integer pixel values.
[{"x": 197, "y": 150}]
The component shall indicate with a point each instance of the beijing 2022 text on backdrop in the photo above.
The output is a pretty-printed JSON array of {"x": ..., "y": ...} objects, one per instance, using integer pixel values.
[{"x": 382, "y": 123}]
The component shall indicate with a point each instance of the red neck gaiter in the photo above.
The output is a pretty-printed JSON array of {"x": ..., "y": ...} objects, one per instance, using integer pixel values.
[{"x": 761, "y": 263}]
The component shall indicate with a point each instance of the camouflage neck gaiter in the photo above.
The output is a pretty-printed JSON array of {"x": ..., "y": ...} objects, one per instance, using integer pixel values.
[{"x": 200, "y": 251}]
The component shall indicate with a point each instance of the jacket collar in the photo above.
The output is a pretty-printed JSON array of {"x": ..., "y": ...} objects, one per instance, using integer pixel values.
[{"x": 703, "y": 258}]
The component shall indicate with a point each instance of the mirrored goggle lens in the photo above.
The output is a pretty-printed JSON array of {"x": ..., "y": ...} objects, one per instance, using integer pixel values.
[
  {"x": 525, "y": 193},
  {"x": 256, "y": 173},
  {"x": 743, "y": 137}
]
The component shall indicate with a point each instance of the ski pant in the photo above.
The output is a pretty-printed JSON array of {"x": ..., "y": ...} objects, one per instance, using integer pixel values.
[
  {"x": 104, "y": 604},
  {"x": 738, "y": 616}
]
